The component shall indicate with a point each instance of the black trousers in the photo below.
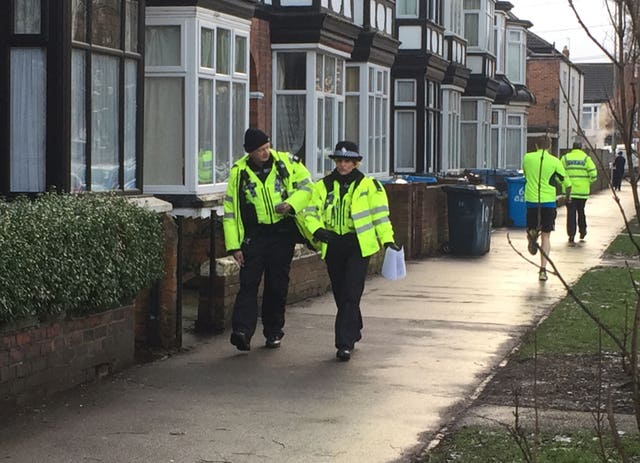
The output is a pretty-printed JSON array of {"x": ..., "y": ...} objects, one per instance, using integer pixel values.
[
  {"x": 575, "y": 212},
  {"x": 269, "y": 254},
  {"x": 347, "y": 271}
]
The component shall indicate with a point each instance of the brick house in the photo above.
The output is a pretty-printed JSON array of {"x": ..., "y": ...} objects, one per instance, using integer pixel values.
[{"x": 558, "y": 86}]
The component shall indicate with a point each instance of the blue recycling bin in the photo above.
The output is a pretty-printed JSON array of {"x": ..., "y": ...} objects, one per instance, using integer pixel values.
[
  {"x": 470, "y": 212},
  {"x": 517, "y": 205}
]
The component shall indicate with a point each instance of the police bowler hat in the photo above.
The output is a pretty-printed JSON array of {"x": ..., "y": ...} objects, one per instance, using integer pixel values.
[{"x": 346, "y": 150}]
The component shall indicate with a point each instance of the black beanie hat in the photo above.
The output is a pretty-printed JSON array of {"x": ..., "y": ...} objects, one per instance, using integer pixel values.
[
  {"x": 346, "y": 150},
  {"x": 254, "y": 139}
]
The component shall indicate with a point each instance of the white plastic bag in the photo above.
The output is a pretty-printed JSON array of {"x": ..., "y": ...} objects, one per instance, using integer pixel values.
[{"x": 393, "y": 266}]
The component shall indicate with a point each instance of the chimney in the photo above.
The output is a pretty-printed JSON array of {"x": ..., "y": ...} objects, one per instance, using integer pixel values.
[{"x": 565, "y": 51}]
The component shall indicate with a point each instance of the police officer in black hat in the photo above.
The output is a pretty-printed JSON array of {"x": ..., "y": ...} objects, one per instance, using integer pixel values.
[{"x": 266, "y": 190}]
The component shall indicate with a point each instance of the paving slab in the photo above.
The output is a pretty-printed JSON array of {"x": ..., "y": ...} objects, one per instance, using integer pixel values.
[{"x": 429, "y": 342}]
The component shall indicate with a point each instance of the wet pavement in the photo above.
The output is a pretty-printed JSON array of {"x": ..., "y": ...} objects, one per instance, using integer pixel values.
[{"x": 429, "y": 342}]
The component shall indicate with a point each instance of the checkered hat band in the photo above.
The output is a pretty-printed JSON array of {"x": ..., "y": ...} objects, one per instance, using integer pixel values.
[{"x": 346, "y": 154}]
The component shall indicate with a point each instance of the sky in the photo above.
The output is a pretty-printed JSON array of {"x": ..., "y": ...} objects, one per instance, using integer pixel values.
[{"x": 554, "y": 21}]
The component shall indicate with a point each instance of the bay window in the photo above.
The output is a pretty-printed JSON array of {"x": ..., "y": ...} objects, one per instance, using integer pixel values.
[
  {"x": 196, "y": 98},
  {"x": 478, "y": 23}
]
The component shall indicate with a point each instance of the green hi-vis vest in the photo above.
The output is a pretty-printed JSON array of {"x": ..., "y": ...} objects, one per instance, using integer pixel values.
[
  {"x": 288, "y": 181},
  {"x": 582, "y": 172},
  {"x": 205, "y": 167},
  {"x": 542, "y": 170},
  {"x": 363, "y": 209}
]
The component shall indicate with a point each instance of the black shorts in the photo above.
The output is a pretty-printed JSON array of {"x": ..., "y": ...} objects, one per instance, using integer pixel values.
[{"x": 547, "y": 218}]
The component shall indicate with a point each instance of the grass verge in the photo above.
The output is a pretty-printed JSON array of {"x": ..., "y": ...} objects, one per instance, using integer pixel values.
[
  {"x": 609, "y": 294},
  {"x": 477, "y": 445}
]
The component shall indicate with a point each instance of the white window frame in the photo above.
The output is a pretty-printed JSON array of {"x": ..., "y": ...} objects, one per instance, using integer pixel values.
[
  {"x": 191, "y": 20},
  {"x": 451, "y": 106},
  {"x": 453, "y": 17},
  {"x": 312, "y": 156},
  {"x": 521, "y": 57}
]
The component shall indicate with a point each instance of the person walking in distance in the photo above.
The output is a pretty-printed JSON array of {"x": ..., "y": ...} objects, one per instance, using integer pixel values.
[
  {"x": 582, "y": 172},
  {"x": 349, "y": 215},
  {"x": 543, "y": 172},
  {"x": 266, "y": 190},
  {"x": 618, "y": 171}
]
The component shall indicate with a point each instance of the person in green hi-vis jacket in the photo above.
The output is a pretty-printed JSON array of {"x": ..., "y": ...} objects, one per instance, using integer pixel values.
[{"x": 543, "y": 172}]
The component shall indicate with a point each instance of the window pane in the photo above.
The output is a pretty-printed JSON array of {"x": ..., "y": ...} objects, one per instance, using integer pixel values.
[
  {"x": 130, "y": 110},
  {"x": 78, "y": 121},
  {"x": 223, "y": 51},
  {"x": 292, "y": 71},
  {"x": 407, "y": 8},
  {"x": 514, "y": 148},
  {"x": 27, "y": 111},
  {"x": 339, "y": 68},
  {"x": 206, "y": 48},
  {"x": 329, "y": 74},
  {"x": 469, "y": 111},
  {"x": 239, "y": 118},
  {"x": 405, "y": 140},
  {"x": 162, "y": 46},
  {"x": 471, "y": 4},
  {"x": 104, "y": 122},
  {"x": 241, "y": 54},
  {"x": 319, "y": 71},
  {"x": 405, "y": 92},
  {"x": 353, "y": 79},
  {"x": 514, "y": 61},
  {"x": 105, "y": 23},
  {"x": 205, "y": 131},
  {"x": 26, "y": 16},
  {"x": 320, "y": 154},
  {"x": 223, "y": 129},
  {"x": 163, "y": 131},
  {"x": 352, "y": 118},
  {"x": 131, "y": 25},
  {"x": 79, "y": 20},
  {"x": 468, "y": 144},
  {"x": 471, "y": 24},
  {"x": 290, "y": 123},
  {"x": 329, "y": 133}
]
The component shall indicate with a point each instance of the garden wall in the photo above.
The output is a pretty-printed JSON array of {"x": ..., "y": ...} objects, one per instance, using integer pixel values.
[{"x": 37, "y": 361}]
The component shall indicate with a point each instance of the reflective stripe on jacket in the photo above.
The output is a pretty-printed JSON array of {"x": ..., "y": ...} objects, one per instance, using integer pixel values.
[
  {"x": 582, "y": 172},
  {"x": 288, "y": 181},
  {"x": 363, "y": 210}
]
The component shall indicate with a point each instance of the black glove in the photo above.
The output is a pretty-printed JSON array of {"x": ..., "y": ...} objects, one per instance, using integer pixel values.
[
  {"x": 326, "y": 236},
  {"x": 391, "y": 245}
]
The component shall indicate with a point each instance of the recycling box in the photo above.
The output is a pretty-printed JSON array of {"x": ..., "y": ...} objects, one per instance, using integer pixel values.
[
  {"x": 517, "y": 205},
  {"x": 470, "y": 211}
]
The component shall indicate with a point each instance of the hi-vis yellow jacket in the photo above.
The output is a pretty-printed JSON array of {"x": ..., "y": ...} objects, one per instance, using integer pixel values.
[
  {"x": 363, "y": 209},
  {"x": 582, "y": 172},
  {"x": 289, "y": 181}
]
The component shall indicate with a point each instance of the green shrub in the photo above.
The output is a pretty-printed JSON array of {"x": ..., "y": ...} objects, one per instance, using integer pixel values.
[{"x": 75, "y": 254}]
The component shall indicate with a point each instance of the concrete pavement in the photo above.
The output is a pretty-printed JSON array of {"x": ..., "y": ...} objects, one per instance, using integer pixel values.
[{"x": 429, "y": 342}]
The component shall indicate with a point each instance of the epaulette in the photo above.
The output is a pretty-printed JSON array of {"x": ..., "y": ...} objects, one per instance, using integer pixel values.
[
  {"x": 378, "y": 185},
  {"x": 294, "y": 158}
]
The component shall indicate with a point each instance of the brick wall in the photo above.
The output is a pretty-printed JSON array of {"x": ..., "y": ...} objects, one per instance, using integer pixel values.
[
  {"x": 542, "y": 81},
  {"x": 260, "y": 74},
  {"x": 419, "y": 217},
  {"x": 37, "y": 361},
  {"x": 165, "y": 292}
]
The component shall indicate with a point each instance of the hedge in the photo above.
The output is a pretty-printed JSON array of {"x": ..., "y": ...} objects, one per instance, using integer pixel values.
[{"x": 75, "y": 254}]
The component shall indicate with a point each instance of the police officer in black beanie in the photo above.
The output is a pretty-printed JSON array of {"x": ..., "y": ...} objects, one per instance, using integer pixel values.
[{"x": 266, "y": 190}]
